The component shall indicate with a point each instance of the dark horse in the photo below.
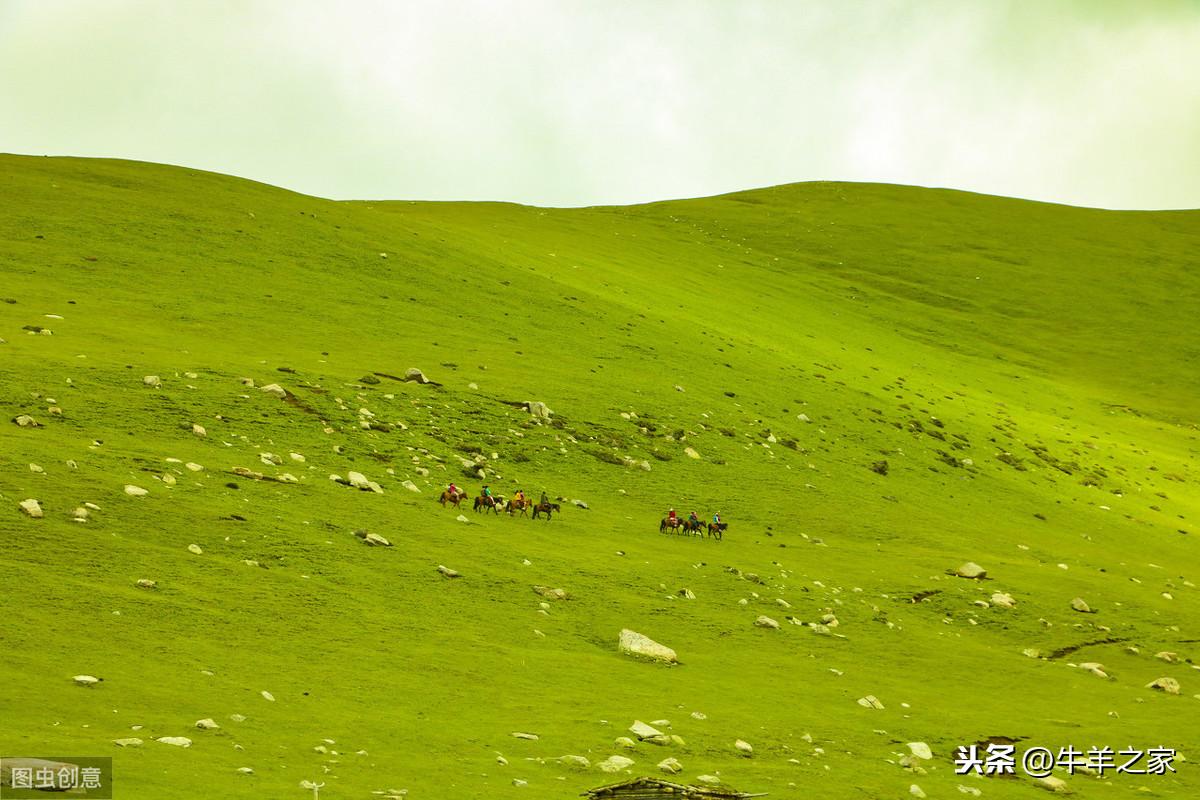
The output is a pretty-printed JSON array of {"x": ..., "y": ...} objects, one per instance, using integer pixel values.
[
  {"x": 545, "y": 508},
  {"x": 456, "y": 499},
  {"x": 666, "y": 527},
  {"x": 693, "y": 526},
  {"x": 487, "y": 504},
  {"x": 518, "y": 505},
  {"x": 717, "y": 529}
]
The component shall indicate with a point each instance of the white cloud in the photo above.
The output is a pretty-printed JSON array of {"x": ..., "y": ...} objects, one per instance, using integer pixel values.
[{"x": 587, "y": 102}]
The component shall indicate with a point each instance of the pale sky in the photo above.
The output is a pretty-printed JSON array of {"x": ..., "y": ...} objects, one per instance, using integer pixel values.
[{"x": 567, "y": 102}]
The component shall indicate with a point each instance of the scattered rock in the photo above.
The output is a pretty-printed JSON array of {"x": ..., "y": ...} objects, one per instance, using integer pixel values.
[
  {"x": 462, "y": 518},
  {"x": 412, "y": 487},
  {"x": 245, "y": 771},
  {"x": 207, "y": 724},
  {"x": 539, "y": 409},
  {"x": 532, "y": 737},
  {"x": 971, "y": 570},
  {"x": 133, "y": 741},
  {"x": 1003, "y": 599},
  {"x": 360, "y": 481},
  {"x": 1053, "y": 784},
  {"x": 645, "y": 732},
  {"x": 766, "y": 622},
  {"x": 198, "y": 430},
  {"x": 870, "y": 701},
  {"x": 32, "y": 508},
  {"x": 177, "y": 741},
  {"x": 267, "y": 696},
  {"x": 195, "y": 549},
  {"x": 1082, "y": 607},
  {"x": 671, "y": 766},
  {"x": 26, "y": 421},
  {"x": 916, "y": 791},
  {"x": 449, "y": 573},
  {"x": 146, "y": 583},
  {"x": 690, "y": 452},
  {"x": 80, "y": 514},
  {"x": 686, "y": 594},
  {"x": 153, "y": 381},
  {"x": 135, "y": 491},
  {"x": 1168, "y": 685},
  {"x": 551, "y": 593},
  {"x": 920, "y": 750},
  {"x": 86, "y": 680},
  {"x": 577, "y": 762},
  {"x": 369, "y": 379},
  {"x": 274, "y": 389},
  {"x": 1167, "y": 656},
  {"x": 615, "y": 764},
  {"x": 636, "y": 644},
  {"x": 743, "y": 747},
  {"x": 415, "y": 375},
  {"x": 372, "y": 539}
]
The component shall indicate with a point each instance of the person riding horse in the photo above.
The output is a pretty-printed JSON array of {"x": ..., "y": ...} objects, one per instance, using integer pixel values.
[{"x": 453, "y": 494}]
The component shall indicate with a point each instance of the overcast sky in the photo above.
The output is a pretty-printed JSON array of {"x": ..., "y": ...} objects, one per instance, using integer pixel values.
[{"x": 563, "y": 102}]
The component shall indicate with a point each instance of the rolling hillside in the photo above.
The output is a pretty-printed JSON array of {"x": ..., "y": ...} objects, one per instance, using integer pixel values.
[{"x": 873, "y": 384}]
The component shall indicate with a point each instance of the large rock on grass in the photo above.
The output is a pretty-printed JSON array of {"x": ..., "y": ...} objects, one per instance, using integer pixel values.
[
  {"x": 615, "y": 764},
  {"x": 635, "y": 644},
  {"x": 971, "y": 570},
  {"x": 1168, "y": 685}
]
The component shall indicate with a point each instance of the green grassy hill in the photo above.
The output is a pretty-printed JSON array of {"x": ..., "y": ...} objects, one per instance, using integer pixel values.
[{"x": 1027, "y": 373}]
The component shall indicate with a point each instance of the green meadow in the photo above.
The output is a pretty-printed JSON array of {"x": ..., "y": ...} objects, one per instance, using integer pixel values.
[{"x": 872, "y": 384}]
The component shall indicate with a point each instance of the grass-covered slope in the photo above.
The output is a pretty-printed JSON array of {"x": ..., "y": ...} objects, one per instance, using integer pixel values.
[{"x": 1026, "y": 371}]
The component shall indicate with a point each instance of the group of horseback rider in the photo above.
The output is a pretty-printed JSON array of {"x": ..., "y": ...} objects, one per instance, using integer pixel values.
[
  {"x": 693, "y": 524},
  {"x": 488, "y": 501}
]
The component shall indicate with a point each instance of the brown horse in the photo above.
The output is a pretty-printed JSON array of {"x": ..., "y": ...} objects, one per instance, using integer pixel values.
[
  {"x": 693, "y": 526},
  {"x": 545, "y": 508},
  {"x": 717, "y": 529},
  {"x": 487, "y": 504},
  {"x": 667, "y": 526},
  {"x": 454, "y": 498},
  {"x": 519, "y": 505}
]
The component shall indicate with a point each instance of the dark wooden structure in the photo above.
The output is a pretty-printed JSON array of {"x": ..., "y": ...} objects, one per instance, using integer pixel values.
[{"x": 657, "y": 789}]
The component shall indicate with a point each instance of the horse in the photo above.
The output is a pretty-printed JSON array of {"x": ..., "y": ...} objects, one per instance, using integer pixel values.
[
  {"x": 519, "y": 505},
  {"x": 666, "y": 526},
  {"x": 717, "y": 529},
  {"x": 455, "y": 498},
  {"x": 545, "y": 508},
  {"x": 487, "y": 503},
  {"x": 693, "y": 526}
]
